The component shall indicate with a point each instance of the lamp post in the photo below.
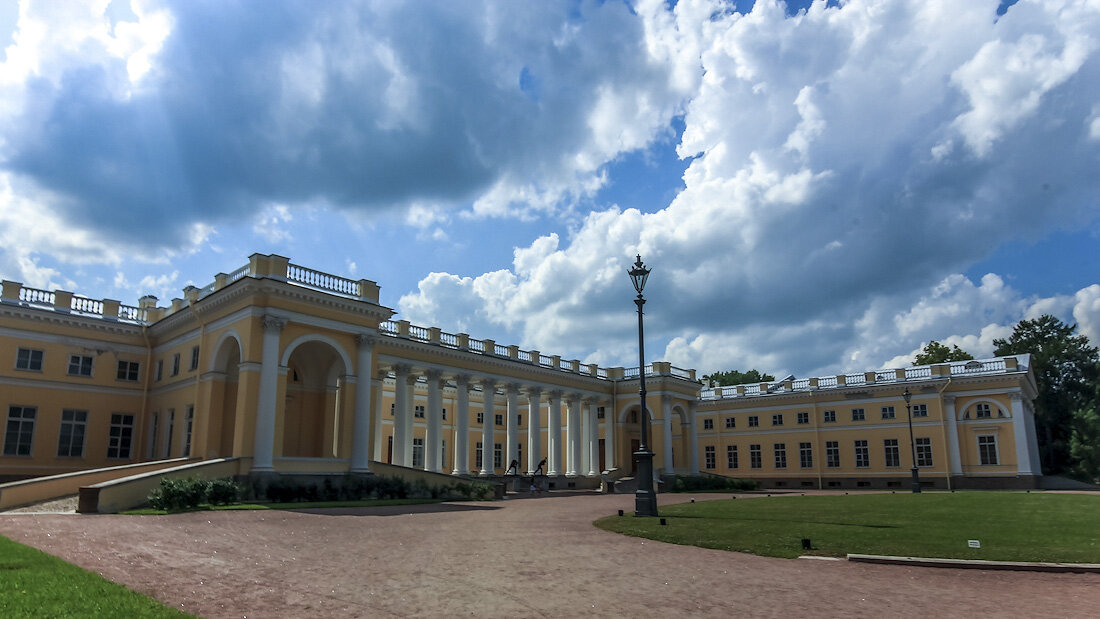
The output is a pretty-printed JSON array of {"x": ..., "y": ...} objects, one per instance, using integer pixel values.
[
  {"x": 912, "y": 443},
  {"x": 645, "y": 498}
]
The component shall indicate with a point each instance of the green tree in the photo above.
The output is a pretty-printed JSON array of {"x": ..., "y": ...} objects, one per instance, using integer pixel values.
[
  {"x": 1066, "y": 370},
  {"x": 1084, "y": 441},
  {"x": 935, "y": 352},
  {"x": 734, "y": 377}
]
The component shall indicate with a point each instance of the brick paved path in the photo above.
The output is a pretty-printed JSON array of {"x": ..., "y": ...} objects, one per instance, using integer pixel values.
[{"x": 525, "y": 557}]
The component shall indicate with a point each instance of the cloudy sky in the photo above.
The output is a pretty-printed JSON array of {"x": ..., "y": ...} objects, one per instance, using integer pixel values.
[{"x": 817, "y": 187}]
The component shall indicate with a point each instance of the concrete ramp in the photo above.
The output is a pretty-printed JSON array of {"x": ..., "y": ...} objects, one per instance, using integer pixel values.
[
  {"x": 116, "y": 495},
  {"x": 39, "y": 489}
]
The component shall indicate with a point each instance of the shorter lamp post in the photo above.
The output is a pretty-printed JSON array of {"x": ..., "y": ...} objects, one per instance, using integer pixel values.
[{"x": 912, "y": 443}]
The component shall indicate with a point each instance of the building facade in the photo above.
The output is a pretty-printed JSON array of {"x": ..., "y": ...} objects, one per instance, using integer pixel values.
[{"x": 300, "y": 371}]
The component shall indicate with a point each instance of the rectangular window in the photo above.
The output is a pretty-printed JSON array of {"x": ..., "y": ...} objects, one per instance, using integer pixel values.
[
  {"x": 731, "y": 456},
  {"x": 755, "y": 460},
  {"x": 171, "y": 421},
  {"x": 863, "y": 455},
  {"x": 982, "y": 411},
  {"x": 857, "y": 414},
  {"x": 806, "y": 455},
  {"x": 888, "y": 412},
  {"x": 128, "y": 370},
  {"x": 418, "y": 411},
  {"x": 393, "y": 407},
  {"x": 175, "y": 364},
  {"x": 601, "y": 412},
  {"x": 418, "y": 452},
  {"x": 803, "y": 418},
  {"x": 754, "y": 421},
  {"x": 780, "y": 455},
  {"x": 924, "y": 452},
  {"x": 79, "y": 365},
  {"x": 731, "y": 422},
  {"x": 828, "y": 417},
  {"x": 890, "y": 448},
  {"x": 194, "y": 358},
  {"x": 832, "y": 454},
  {"x": 708, "y": 424},
  {"x": 20, "y": 430},
  {"x": 121, "y": 438},
  {"x": 920, "y": 410},
  {"x": 711, "y": 460},
  {"x": 478, "y": 455},
  {"x": 498, "y": 455},
  {"x": 189, "y": 425},
  {"x": 70, "y": 441},
  {"x": 987, "y": 449},
  {"x": 28, "y": 359},
  {"x": 498, "y": 420},
  {"x": 480, "y": 418},
  {"x": 444, "y": 414},
  {"x": 160, "y": 370},
  {"x": 777, "y": 420},
  {"x": 519, "y": 419}
]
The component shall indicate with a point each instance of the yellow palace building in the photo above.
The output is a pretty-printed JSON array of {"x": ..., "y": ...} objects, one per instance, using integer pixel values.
[{"x": 295, "y": 371}]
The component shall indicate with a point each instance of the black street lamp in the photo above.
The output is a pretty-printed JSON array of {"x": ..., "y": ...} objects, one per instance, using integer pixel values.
[
  {"x": 912, "y": 443},
  {"x": 645, "y": 498}
]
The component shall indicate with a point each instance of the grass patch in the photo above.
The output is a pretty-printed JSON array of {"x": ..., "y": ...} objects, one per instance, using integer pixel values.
[
  {"x": 35, "y": 584},
  {"x": 1011, "y": 526},
  {"x": 292, "y": 505}
]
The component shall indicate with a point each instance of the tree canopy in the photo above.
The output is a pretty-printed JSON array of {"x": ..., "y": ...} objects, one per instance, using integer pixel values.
[
  {"x": 1066, "y": 371},
  {"x": 934, "y": 352},
  {"x": 735, "y": 377}
]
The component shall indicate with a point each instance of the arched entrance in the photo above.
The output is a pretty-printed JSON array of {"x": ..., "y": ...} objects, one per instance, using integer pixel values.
[
  {"x": 630, "y": 429},
  {"x": 222, "y": 430},
  {"x": 314, "y": 390}
]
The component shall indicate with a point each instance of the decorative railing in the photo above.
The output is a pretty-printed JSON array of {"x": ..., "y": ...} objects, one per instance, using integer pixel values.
[
  {"x": 86, "y": 305},
  {"x": 500, "y": 349},
  {"x": 923, "y": 371},
  {"x": 885, "y": 376},
  {"x": 681, "y": 373},
  {"x": 477, "y": 346},
  {"x": 449, "y": 340},
  {"x": 974, "y": 367},
  {"x": 389, "y": 327},
  {"x": 208, "y": 290},
  {"x": 34, "y": 295},
  {"x": 321, "y": 280},
  {"x": 546, "y": 361},
  {"x": 855, "y": 379},
  {"x": 419, "y": 333},
  {"x": 800, "y": 383},
  {"x": 826, "y": 381},
  {"x": 630, "y": 373},
  {"x": 131, "y": 313},
  {"x": 238, "y": 274},
  {"x": 525, "y": 356}
]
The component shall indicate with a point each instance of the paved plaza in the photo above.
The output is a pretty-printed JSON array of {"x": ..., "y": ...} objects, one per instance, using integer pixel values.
[{"x": 521, "y": 557}]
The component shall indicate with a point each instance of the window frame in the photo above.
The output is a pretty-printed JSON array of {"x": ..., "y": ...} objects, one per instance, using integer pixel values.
[
  {"x": 754, "y": 421},
  {"x": 756, "y": 456},
  {"x": 79, "y": 366},
  {"x": 891, "y": 452},
  {"x": 176, "y": 364},
  {"x": 859, "y": 414},
  {"x": 731, "y": 423},
  {"x": 888, "y": 412},
  {"x": 732, "y": 457},
  {"x": 779, "y": 450},
  {"x": 74, "y": 447},
  {"x": 23, "y": 420},
  {"x": 803, "y": 418},
  {"x": 828, "y": 416},
  {"x": 126, "y": 369},
  {"x": 115, "y": 441},
  {"x": 777, "y": 419},
  {"x": 417, "y": 452},
  {"x": 708, "y": 424},
  {"x": 863, "y": 453},
  {"x": 710, "y": 458},
  {"x": 194, "y": 358},
  {"x": 920, "y": 410},
  {"x": 806, "y": 455},
  {"x": 923, "y": 445},
  {"x": 992, "y": 443},
  {"x": 31, "y": 359},
  {"x": 832, "y": 454}
]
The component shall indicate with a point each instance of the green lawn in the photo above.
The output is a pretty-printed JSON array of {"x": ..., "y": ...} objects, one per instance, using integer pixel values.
[
  {"x": 297, "y": 505},
  {"x": 1011, "y": 526},
  {"x": 35, "y": 584}
]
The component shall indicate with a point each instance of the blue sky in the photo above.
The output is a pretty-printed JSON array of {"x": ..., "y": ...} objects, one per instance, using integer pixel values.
[{"x": 819, "y": 187}]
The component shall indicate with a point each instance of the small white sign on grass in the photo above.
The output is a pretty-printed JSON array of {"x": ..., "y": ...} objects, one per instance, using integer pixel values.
[{"x": 973, "y": 543}]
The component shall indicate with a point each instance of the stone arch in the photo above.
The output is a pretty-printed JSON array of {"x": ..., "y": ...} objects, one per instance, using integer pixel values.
[
  {"x": 313, "y": 392},
  {"x": 997, "y": 409},
  {"x": 222, "y": 409},
  {"x": 621, "y": 416},
  {"x": 218, "y": 359}
]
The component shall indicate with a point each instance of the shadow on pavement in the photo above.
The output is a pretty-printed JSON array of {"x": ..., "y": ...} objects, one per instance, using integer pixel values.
[{"x": 393, "y": 510}]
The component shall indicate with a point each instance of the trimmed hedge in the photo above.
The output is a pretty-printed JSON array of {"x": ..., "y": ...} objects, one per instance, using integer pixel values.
[
  {"x": 189, "y": 493},
  {"x": 706, "y": 483}
]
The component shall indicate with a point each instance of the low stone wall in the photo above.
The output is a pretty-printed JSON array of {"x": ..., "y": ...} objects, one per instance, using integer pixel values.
[
  {"x": 113, "y": 496},
  {"x": 38, "y": 489}
]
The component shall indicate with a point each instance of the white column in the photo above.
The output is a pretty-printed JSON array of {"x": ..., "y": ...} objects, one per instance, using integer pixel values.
[
  {"x": 1019, "y": 431},
  {"x": 1036, "y": 461},
  {"x": 410, "y": 406},
  {"x": 609, "y": 438},
  {"x": 954, "y": 459},
  {"x": 263, "y": 450},
  {"x": 553, "y": 435},
  {"x": 376, "y": 390},
  {"x": 592, "y": 444},
  {"x": 534, "y": 429},
  {"x": 512, "y": 427},
  {"x": 694, "y": 433},
  {"x": 360, "y": 438},
  {"x": 585, "y": 466},
  {"x": 666, "y": 411},
  {"x": 488, "y": 395},
  {"x": 462, "y": 426},
  {"x": 400, "y": 412},
  {"x": 573, "y": 434},
  {"x": 432, "y": 438}
]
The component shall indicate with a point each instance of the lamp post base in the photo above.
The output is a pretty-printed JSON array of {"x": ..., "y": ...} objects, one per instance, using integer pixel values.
[
  {"x": 645, "y": 497},
  {"x": 916, "y": 481}
]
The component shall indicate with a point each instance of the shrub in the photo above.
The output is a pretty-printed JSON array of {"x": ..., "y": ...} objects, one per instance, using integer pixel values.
[
  {"x": 179, "y": 494},
  {"x": 224, "y": 491},
  {"x": 709, "y": 483}
]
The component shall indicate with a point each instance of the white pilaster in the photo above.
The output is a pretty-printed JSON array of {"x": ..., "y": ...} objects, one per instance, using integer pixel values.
[
  {"x": 592, "y": 445},
  {"x": 376, "y": 391},
  {"x": 432, "y": 439},
  {"x": 401, "y": 407},
  {"x": 462, "y": 426},
  {"x": 950, "y": 417},
  {"x": 610, "y": 461},
  {"x": 573, "y": 434},
  {"x": 693, "y": 429},
  {"x": 410, "y": 407},
  {"x": 1019, "y": 432},
  {"x": 488, "y": 395},
  {"x": 534, "y": 429},
  {"x": 1033, "y": 440},
  {"x": 553, "y": 435},
  {"x": 360, "y": 438},
  {"x": 666, "y": 412},
  {"x": 264, "y": 448},
  {"x": 511, "y": 425}
]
